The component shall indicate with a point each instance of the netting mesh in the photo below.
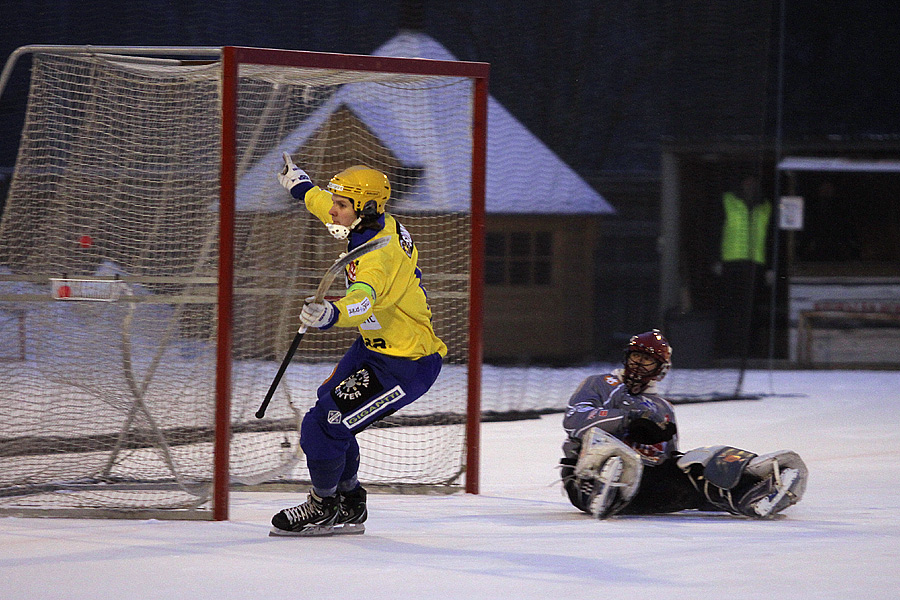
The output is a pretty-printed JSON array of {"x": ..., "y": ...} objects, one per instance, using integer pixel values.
[{"x": 111, "y": 404}]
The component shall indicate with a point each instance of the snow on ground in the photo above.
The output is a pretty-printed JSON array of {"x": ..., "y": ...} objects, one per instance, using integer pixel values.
[{"x": 520, "y": 538}]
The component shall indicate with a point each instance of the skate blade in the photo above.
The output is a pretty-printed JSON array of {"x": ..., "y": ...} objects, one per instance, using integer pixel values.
[
  {"x": 350, "y": 529},
  {"x": 314, "y": 531}
]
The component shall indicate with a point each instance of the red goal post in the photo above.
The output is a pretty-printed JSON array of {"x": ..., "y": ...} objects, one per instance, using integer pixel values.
[{"x": 232, "y": 59}]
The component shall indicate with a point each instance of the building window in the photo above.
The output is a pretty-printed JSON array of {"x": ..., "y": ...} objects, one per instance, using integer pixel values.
[{"x": 518, "y": 258}]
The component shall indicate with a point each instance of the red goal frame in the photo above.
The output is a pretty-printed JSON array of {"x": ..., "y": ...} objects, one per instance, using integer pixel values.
[{"x": 232, "y": 57}]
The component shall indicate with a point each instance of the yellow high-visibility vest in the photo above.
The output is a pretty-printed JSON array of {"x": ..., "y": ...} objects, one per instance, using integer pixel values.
[{"x": 744, "y": 231}]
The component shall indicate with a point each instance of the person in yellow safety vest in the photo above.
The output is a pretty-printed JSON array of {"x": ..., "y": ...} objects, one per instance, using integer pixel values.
[
  {"x": 742, "y": 265},
  {"x": 745, "y": 228}
]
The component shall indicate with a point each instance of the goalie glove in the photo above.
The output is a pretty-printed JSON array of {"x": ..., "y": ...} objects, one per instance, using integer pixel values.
[
  {"x": 292, "y": 176},
  {"x": 320, "y": 315},
  {"x": 649, "y": 427}
]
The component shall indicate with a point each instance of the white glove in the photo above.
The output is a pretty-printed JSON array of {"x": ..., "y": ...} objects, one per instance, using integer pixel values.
[
  {"x": 291, "y": 175},
  {"x": 317, "y": 314}
]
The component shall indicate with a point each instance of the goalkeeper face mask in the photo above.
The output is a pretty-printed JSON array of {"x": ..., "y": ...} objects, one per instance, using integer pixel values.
[
  {"x": 640, "y": 369},
  {"x": 647, "y": 358}
]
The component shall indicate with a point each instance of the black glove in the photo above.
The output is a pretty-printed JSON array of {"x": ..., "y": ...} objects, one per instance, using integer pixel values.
[{"x": 649, "y": 429}]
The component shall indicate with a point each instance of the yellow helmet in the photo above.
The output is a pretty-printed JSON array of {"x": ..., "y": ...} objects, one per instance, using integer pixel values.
[{"x": 362, "y": 185}]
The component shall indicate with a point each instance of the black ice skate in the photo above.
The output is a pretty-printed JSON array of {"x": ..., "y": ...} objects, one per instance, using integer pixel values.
[
  {"x": 316, "y": 516},
  {"x": 352, "y": 512}
]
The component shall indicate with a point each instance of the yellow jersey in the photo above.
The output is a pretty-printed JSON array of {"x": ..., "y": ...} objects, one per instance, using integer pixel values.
[{"x": 385, "y": 298}]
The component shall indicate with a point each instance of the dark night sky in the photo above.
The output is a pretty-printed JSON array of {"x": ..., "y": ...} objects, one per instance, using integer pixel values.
[{"x": 599, "y": 82}]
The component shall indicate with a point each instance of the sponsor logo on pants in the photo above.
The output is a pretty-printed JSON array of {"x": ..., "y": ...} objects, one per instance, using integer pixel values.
[{"x": 373, "y": 406}]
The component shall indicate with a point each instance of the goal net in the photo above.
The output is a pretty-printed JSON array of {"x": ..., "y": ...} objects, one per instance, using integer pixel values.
[{"x": 145, "y": 315}]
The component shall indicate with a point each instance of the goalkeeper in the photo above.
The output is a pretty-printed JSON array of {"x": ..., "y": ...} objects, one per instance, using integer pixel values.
[
  {"x": 394, "y": 361},
  {"x": 621, "y": 454}
]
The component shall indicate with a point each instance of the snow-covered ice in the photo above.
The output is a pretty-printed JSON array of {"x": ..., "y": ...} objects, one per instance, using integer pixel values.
[{"x": 520, "y": 538}]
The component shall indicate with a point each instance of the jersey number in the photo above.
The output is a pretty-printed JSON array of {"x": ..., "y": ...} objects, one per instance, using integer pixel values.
[{"x": 375, "y": 343}]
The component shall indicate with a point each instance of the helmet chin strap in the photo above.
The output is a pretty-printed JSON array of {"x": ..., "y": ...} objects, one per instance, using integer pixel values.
[{"x": 340, "y": 232}]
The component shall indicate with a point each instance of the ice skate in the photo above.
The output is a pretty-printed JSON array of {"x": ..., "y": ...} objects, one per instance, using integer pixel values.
[
  {"x": 772, "y": 495},
  {"x": 783, "y": 481},
  {"x": 315, "y": 517},
  {"x": 352, "y": 512}
]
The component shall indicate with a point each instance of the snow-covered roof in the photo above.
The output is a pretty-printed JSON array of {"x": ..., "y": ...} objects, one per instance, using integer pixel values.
[
  {"x": 523, "y": 174},
  {"x": 809, "y": 163}
]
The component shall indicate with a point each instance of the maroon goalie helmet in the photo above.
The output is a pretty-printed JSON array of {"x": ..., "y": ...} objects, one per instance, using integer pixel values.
[{"x": 647, "y": 358}]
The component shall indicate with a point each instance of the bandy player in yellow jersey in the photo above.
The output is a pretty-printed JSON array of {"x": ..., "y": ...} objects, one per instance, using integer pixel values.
[{"x": 395, "y": 360}]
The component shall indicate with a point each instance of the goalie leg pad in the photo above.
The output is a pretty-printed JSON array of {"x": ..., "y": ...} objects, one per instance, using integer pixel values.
[
  {"x": 715, "y": 471},
  {"x": 608, "y": 472},
  {"x": 743, "y": 483},
  {"x": 722, "y": 466}
]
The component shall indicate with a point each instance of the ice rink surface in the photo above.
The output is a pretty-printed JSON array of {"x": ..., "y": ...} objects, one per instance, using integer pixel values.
[{"x": 520, "y": 538}]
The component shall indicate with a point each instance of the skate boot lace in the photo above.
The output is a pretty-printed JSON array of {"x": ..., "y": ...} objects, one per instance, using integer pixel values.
[{"x": 305, "y": 511}]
